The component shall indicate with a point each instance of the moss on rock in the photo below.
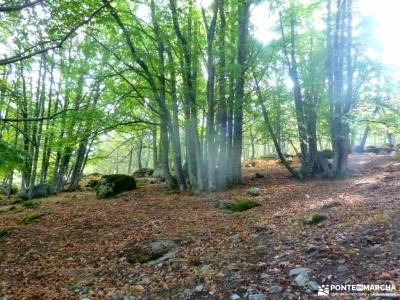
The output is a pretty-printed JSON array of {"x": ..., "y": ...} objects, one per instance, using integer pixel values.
[{"x": 111, "y": 185}]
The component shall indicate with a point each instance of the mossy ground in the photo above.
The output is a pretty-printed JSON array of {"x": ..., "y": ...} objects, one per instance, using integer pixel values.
[
  {"x": 30, "y": 217},
  {"x": 140, "y": 255},
  {"x": 241, "y": 205},
  {"x": 315, "y": 218},
  {"x": 31, "y": 204}
]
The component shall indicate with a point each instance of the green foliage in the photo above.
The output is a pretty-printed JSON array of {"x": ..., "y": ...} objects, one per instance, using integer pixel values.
[
  {"x": 8, "y": 208},
  {"x": 315, "y": 218},
  {"x": 3, "y": 231},
  {"x": 327, "y": 154},
  {"x": 241, "y": 205},
  {"x": 30, "y": 217},
  {"x": 141, "y": 182},
  {"x": 31, "y": 204},
  {"x": 11, "y": 157}
]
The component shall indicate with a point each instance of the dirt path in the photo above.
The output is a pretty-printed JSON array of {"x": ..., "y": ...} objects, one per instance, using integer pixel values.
[{"x": 77, "y": 249}]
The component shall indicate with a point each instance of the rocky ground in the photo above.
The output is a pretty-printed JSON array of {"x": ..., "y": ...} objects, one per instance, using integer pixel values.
[{"x": 79, "y": 247}]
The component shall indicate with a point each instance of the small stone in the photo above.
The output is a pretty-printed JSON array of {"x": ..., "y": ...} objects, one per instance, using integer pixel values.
[
  {"x": 275, "y": 289},
  {"x": 146, "y": 280},
  {"x": 261, "y": 247},
  {"x": 234, "y": 238},
  {"x": 341, "y": 261},
  {"x": 255, "y": 191},
  {"x": 342, "y": 269},
  {"x": 296, "y": 271},
  {"x": 302, "y": 279},
  {"x": 199, "y": 288},
  {"x": 257, "y": 297},
  {"x": 254, "y": 236},
  {"x": 311, "y": 248},
  {"x": 235, "y": 297}
]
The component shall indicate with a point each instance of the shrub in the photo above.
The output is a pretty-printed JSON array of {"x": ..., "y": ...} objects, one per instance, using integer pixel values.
[
  {"x": 327, "y": 154},
  {"x": 30, "y": 217},
  {"x": 241, "y": 205}
]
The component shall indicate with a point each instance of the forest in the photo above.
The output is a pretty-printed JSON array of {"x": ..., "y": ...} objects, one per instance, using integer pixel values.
[{"x": 199, "y": 149}]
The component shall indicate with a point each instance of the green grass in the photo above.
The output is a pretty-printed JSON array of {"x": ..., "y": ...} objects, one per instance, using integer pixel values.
[
  {"x": 241, "y": 205},
  {"x": 30, "y": 217},
  {"x": 3, "y": 231},
  {"x": 31, "y": 204},
  {"x": 141, "y": 182},
  {"x": 315, "y": 218},
  {"x": 7, "y": 208}
]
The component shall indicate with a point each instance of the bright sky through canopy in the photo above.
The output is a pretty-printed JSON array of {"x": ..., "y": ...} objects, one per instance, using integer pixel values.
[{"x": 384, "y": 13}]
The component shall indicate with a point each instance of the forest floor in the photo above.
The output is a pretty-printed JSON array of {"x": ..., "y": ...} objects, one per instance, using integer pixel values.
[{"x": 77, "y": 249}]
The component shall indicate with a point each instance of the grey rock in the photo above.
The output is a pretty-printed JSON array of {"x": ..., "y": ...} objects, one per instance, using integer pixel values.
[
  {"x": 275, "y": 289},
  {"x": 234, "y": 238},
  {"x": 257, "y": 297},
  {"x": 302, "y": 279},
  {"x": 199, "y": 288},
  {"x": 126, "y": 297},
  {"x": 234, "y": 297},
  {"x": 161, "y": 244},
  {"x": 166, "y": 256},
  {"x": 255, "y": 191},
  {"x": 342, "y": 269},
  {"x": 341, "y": 261},
  {"x": 311, "y": 248},
  {"x": 146, "y": 280},
  {"x": 296, "y": 271},
  {"x": 313, "y": 285}
]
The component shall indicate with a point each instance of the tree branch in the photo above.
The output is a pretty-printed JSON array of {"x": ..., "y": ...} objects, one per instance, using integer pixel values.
[
  {"x": 22, "y": 56},
  {"x": 19, "y": 7}
]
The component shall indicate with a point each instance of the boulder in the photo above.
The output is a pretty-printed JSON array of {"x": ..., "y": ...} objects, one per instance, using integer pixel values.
[
  {"x": 159, "y": 173},
  {"x": 92, "y": 183},
  {"x": 255, "y": 191},
  {"x": 296, "y": 271},
  {"x": 143, "y": 172},
  {"x": 39, "y": 191},
  {"x": 111, "y": 185}
]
